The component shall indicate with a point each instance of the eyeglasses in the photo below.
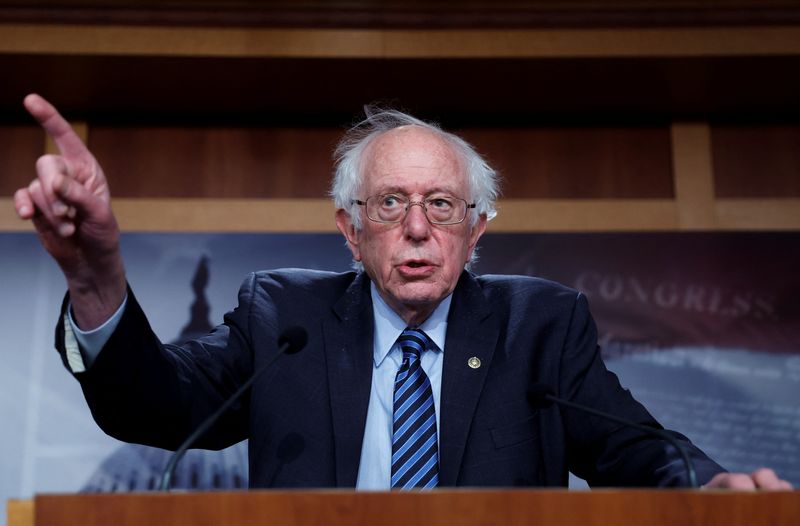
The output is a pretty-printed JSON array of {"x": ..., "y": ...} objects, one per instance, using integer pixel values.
[{"x": 392, "y": 208}]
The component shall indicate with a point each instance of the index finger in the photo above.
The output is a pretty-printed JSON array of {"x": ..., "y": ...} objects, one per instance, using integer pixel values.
[{"x": 65, "y": 138}]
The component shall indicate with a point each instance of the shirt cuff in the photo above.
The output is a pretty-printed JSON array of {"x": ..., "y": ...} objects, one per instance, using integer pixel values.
[{"x": 83, "y": 347}]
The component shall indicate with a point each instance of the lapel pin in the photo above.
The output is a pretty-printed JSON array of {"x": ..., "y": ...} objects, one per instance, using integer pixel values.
[{"x": 474, "y": 362}]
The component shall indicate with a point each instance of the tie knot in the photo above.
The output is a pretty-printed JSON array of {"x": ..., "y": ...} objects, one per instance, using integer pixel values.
[{"x": 414, "y": 341}]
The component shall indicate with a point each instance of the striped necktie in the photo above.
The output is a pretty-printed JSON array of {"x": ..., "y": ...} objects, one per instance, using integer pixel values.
[{"x": 415, "y": 452}]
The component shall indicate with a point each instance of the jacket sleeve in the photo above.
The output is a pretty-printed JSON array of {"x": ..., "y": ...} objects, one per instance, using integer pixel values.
[
  {"x": 143, "y": 391},
  {"x": 603, "y": 452}
]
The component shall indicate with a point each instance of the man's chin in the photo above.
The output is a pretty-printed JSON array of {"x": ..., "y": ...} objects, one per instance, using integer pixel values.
[{"x": 420, "y": 294}]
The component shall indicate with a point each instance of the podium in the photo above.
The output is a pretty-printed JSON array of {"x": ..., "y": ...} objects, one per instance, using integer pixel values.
[{"x": 437, "y": 508}]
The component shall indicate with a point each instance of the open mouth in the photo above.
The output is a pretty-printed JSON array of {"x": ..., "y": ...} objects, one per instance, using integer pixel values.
[{"x": 417, "y": 263}]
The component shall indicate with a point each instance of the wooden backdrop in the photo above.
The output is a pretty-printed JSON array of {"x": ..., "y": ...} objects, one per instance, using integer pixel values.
[{"x": 222, "y": 116}]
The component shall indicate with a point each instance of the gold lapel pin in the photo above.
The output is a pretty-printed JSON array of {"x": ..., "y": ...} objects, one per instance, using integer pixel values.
[{"x": 474, "y": 362}]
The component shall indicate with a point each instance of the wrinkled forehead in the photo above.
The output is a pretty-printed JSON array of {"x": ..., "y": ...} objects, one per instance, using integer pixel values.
[{"x": 414, "y": 158}]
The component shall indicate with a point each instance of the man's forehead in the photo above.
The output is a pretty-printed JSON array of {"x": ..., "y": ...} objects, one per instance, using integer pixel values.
[
  {"x": 412, "y": 151},
  {"x": 411, "y": 140}
]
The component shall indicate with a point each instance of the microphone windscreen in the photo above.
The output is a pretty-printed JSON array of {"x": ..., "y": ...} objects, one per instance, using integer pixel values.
[
  {"x": 537, "y": 395},
  {"x": 295, "y": 338}
]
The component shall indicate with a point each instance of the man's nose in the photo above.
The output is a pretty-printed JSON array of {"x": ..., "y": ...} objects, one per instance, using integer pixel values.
[{"x": 416, "y": 223}]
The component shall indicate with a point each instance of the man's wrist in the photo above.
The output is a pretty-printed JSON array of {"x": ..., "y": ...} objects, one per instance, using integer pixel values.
[
  {"x": 94, "y": 301},
  {"x": 89, "y": 343}
]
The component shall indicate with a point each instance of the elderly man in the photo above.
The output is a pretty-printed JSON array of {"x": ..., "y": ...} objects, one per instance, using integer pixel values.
[{"x": 416, "y": 371}]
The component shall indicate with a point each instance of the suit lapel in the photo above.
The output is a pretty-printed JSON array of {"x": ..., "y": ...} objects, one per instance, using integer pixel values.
[
  {"x": 348, "y": 353},
  {"x": 471, "y": 332}
]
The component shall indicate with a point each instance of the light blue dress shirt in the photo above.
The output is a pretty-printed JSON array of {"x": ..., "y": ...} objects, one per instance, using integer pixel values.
[{"x": 374, "y": 470}]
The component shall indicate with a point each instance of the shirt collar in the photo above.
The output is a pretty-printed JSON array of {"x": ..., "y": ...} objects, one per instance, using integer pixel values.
[{"x": 389, "y": 325}]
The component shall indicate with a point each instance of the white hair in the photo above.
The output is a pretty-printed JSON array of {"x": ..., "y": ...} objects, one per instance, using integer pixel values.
[{"x": 482, "y": 179}]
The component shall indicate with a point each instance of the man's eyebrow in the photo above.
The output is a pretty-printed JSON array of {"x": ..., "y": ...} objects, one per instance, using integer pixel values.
[
  {"x": 391, "y": 190},
  {"x": 399, "y": 190}
]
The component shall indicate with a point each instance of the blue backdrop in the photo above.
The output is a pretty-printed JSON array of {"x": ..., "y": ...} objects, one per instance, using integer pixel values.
[{"x": 704, "y": 328}]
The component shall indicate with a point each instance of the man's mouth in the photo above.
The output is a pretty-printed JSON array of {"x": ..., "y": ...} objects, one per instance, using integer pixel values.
[{"x": 416, "y": 268}]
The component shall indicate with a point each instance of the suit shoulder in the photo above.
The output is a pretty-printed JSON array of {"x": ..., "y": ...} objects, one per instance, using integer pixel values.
[
  {"x": 303, "y": 281},
  {"x": 515, "y": 284},
  {"x": 508, "y": 286}
]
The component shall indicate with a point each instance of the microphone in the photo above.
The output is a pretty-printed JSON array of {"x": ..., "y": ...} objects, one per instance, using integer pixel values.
[
  {"x": 291, "y": 341},
  {"x": 541, "y": 396}
]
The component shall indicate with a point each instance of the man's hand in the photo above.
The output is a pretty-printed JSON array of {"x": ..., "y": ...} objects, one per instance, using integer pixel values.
[
  {"x": 763, "y": 478},
  {"x": 69, "y": 204}
]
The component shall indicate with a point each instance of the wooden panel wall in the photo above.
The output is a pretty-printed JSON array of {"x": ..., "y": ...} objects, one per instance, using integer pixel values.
[
  {"x": 579, "y": 162},
  {"x": 626, "y": 137},
  {"x": 756, "y": 161},
  {"x": 20, "y": 146},
  {"x": 565, "y": 163},
  {"x": 216, "y": 162},
  {"x": 553, "y": 178}
]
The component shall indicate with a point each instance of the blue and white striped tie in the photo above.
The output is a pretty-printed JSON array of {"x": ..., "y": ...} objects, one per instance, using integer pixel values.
[{"x": 415, "y": 452}]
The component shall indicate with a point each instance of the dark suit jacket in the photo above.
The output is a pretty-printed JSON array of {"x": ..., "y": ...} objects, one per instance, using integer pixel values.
[{"x": 305, "y": 417}]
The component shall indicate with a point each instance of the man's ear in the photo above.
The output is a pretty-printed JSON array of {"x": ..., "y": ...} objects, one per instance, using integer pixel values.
[
  {"x": 476, "y": 231},
  {"x": 345, "y": 225}
]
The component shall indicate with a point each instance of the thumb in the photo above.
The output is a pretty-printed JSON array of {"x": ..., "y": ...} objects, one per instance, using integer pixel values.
[{"x": 85, "y": 203}]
